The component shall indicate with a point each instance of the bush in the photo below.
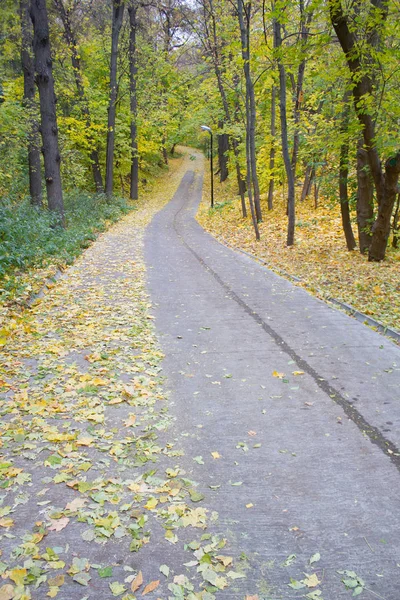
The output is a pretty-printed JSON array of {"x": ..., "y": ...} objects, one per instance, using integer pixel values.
[{"x": 32, "y": 238}]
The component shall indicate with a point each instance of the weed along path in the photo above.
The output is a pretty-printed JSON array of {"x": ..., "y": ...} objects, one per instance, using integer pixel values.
[
  {"x": 288, "y": 415},
  {"x": 178, "y": 423}
]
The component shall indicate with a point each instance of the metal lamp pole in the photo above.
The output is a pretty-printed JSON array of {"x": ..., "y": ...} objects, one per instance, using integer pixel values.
[{"x": 206, "y": 128}]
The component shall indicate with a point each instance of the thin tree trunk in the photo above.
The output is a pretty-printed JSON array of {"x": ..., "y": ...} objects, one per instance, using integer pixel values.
[
  {"x": 343, "y": 177},
  {"x": 118, "y": 13},
  {"x": 77, "y": 70},
  {"x": 298, "y": 90},
  {"x": 223, "y": 147},
  {"x": 213, "y": 43},
  {"x": 48, "y": 125},
  {"x": 244, "y": 13},
  {"x": 35, "y": 178},
  {"x": 284, "y": 136},
  {"x": 365, "y": 199},
  {"x": 308, "y": 180},
  {"x": 134, "y": 189},
  {"x": 396, "y": 229},
  {"x": 272, "y": 150}
]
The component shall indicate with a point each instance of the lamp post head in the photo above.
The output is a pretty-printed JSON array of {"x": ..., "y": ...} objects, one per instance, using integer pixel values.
[{"x": 206, "y": 128}]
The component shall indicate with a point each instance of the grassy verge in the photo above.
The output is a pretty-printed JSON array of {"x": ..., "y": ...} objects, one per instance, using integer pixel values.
[
  {"x": 319, "y": 256},
  {"x": 33, "y": 247}
]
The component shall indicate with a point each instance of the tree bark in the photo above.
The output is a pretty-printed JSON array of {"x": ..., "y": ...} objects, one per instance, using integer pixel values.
[
  {"x": 223, "y": 147},
  {"x": 77, "y": 70},
  {"x": 298, "y": 90},
  {"x": 385, "y": 180},
  {"x": 48, "y": 125},
  {"x": 134, "y": 189},
  {"x": 284, "y": 135},
  {"x": 396, "y": 229},
  {"x": 35, "y": 178},
  {"x": 244, "y": 13},
  {"x": 365, "y": 199},
  {"x": 117, "y": 17},
  {"x": 343, "y": 177},
  {"x": 272, "y": 150},
  {"x": 308, "y": 181}
]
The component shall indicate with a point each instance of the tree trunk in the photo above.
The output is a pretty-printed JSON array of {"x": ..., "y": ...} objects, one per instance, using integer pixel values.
[
  {"x": 77, "y": 70},
  {"x": 134, "y": 190},
  {"x": 284, "y": 136},
  {"x": 344, "y": 175},
  {"x": 308, "y": 181},
  {"x": 245, "y": 12},
  {"x": 48, "y": 125},
  {"x": 35, "y": 178},
  {"x": 213, "y": 47},
  {"x": 298, "y": 90},
  {"x": 117, "y": 16},
  {"x": 223, "y": 147},
  {"x": 365, "y": 199},
  {"x": 396, "y": 229},
  {"x": 272, "y": 150}
]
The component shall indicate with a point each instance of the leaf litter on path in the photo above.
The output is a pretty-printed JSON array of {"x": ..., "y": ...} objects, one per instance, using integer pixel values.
[{"x": 83, "y": 428}]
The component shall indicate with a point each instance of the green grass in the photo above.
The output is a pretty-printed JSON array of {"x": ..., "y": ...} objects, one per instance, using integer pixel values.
[{"x": 32, "y": 239}]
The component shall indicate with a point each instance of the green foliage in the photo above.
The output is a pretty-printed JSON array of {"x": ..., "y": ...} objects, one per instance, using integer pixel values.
[{"x": 31, "y": 238}]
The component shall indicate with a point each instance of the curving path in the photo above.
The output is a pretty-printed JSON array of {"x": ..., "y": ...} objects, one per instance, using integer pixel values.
[{"x": 300, "y": 402}]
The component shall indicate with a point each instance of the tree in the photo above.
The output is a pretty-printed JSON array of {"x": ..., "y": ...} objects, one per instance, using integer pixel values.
[
  {"x": 118, "y": 7},
  {"x": 284, "y": 129},
  {"x": 48, "y": 122},
  {"x": 35, "y": 178},
  {"x": 132, "y": 9},
  {"x": 77, "y": 70},
  {"x": 361, "y": 64},
  {"x": 244, "y": 16}
]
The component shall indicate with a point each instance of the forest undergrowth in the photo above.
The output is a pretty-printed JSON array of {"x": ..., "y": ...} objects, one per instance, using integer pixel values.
[
  {"x": 38, "y": 251},
  {"x": 319, "y": 257}
]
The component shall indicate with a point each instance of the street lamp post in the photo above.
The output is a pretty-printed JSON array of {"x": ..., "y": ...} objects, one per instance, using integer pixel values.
[{"x": 206, "y": 128}]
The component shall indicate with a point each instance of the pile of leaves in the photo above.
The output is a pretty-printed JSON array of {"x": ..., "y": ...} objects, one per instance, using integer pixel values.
[{"x": 319, "y": 257}]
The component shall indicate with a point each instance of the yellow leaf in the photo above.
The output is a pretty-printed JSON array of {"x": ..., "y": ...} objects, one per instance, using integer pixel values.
[
  {"x": 250, "y": 505},
  {"x": 53, "y": 591},
  {"x": 279, "y": 375},
  {"x": 215, "y": 455},
  {"x": 298, "y": 372},
  {"x": 6, "y": 522},
  {"x": 151, "y": 503},
  {"x": 84, "y": 441},
  {"x": 150, "y": 587},
  {"x": 226, "y": 560},
  {"x": 117, "y": 400},
  {"x": 312, "y": 581},
  {"x": 17, "y": 575},
  {"x": 137, "y": 582},
  {"x": 76, "y": 503}
]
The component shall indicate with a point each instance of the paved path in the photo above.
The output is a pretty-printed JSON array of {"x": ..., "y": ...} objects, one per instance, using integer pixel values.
[{"x": 316, "y": 452}]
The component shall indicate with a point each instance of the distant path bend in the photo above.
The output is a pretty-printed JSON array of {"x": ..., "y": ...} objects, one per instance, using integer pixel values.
[{"x": 300, "y": 401}]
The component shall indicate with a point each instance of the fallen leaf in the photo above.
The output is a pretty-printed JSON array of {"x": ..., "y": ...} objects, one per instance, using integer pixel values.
[
  {"x": 58, "y": 524},
  {"x": 130, "y": 421},
  {"x": 215, "y": 455},
  {"x": 6, "y": 592},
  {"x": 76, "y": 503},
  {"x": 137, "y": 582},
  {"x": 279, "y": 375},
  {"x": 312, "y": 581},
  {"x": 151, "y": 587},
  {"x": 298, "y": 373},
  {"x": 250, "y": 505}
]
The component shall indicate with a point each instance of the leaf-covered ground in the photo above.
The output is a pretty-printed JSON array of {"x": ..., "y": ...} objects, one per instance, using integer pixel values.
[
  {"x": 93, "y": 502},
  {"x": 319, "y": 256}
]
